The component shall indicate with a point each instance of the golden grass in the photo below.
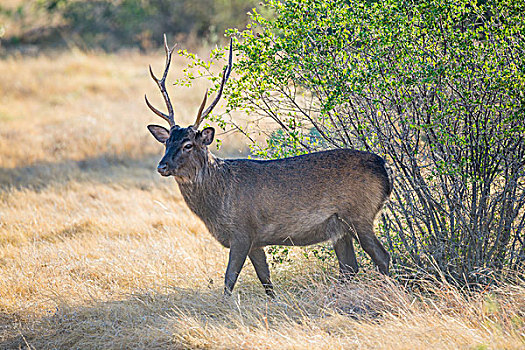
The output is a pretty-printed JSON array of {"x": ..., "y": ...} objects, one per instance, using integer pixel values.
[{"x": 97, "y": 251}]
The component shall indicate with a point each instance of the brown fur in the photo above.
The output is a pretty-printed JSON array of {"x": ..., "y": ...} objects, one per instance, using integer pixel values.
[{"x": 248, "y": 204}]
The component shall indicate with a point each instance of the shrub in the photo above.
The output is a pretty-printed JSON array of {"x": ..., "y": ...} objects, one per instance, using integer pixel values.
[{"x": 436, "y": 87}]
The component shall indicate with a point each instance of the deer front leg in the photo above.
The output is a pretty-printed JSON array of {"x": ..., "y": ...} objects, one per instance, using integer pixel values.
[
  {"x": 239, "y": 250},
  {"x": 258, "y": 258}
]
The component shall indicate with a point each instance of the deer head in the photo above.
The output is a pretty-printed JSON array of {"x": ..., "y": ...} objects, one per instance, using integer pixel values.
[{"x": 186, "y": 148}]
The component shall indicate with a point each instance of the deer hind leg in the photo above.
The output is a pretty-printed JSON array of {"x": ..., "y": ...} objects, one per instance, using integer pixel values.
[
  {"x": 258, "y": 259},
  {"x": 372, "y": 246},
  {"x": 344, "y": 250}
]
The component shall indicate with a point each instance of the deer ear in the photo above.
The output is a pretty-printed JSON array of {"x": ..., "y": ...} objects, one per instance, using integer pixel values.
[
  {"x": 206, "y": 136},
  {"x": 159, "y": 132}
]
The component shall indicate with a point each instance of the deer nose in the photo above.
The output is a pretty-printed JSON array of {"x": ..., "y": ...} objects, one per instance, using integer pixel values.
[{"x": 162, "y": 168}]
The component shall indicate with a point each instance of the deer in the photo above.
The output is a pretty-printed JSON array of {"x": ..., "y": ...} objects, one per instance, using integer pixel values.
[{"x": 248, "y": 204}]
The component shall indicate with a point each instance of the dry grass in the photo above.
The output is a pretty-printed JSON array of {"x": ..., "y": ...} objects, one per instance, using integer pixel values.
[{"x": 97, "y": 251}]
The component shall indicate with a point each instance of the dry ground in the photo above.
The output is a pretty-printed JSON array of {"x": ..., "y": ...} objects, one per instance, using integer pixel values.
[{"x": 97, "y": 251}]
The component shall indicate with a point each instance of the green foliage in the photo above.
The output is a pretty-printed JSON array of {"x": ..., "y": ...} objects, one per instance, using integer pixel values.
[
  {"x": 436, "y": 87},
  {"x": 278, "y": 255}
]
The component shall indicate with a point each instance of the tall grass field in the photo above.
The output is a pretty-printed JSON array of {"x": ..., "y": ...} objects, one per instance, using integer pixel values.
[{"x": 97, "y": 251}]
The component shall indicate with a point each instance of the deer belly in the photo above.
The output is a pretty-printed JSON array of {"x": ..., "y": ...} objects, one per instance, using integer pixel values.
[{"x": 306, "y": 231}]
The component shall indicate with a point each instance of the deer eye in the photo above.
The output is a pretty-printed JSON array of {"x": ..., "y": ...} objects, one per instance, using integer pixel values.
[{"x": 188, "y": 146}]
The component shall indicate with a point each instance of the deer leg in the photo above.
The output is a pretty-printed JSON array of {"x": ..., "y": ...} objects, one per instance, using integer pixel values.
[
  {"x": 344, "y": 249},
  {"x": 258, "y": 259},
  {"x": 238, "y": 253},
  {"x": 373, "y": 247}
]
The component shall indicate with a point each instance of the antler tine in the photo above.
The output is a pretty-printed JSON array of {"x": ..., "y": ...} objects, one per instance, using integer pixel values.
[
  {"x": 203, "y": 104},
  {"x": 227, "y": 70},
  {"x": 162, "y": 86},
  {"x": 156, "y": 111}
]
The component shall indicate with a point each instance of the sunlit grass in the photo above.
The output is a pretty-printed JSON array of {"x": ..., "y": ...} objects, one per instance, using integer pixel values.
[{"x": 97, "y": 251}]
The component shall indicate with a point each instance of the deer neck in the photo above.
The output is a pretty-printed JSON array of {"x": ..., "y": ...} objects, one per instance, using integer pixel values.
[{"x": 204, "y": 192}]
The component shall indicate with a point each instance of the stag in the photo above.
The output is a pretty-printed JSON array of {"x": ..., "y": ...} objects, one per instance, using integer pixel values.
[{"x": 248, "y": 204}]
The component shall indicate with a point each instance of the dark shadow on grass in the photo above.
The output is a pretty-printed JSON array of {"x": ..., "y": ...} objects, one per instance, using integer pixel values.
[
  {"x": 142, "y": 320},
  {"x": 100, "y": 169},
  {"x": 161, "y": 320}
]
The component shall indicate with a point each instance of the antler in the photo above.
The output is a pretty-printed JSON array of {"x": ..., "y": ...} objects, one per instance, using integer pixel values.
[
  {"x": 162, "y": 86},
  {"x": 227, "y": 70}
]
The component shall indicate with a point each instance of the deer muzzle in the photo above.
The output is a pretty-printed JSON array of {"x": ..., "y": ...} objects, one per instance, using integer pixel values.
[{"x": 162, "y": 168}]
